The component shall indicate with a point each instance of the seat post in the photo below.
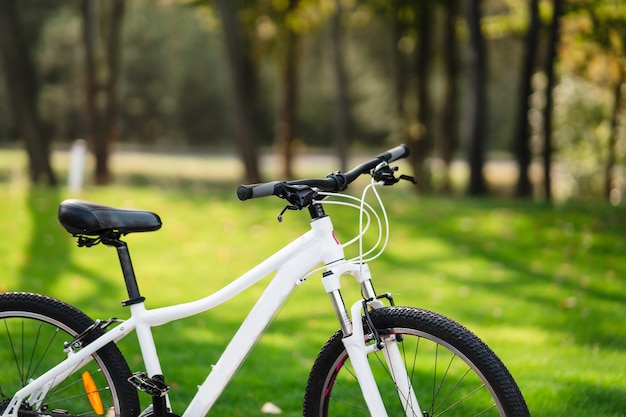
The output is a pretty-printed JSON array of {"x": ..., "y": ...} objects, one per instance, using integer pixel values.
[{"x": 129, "y": 273}]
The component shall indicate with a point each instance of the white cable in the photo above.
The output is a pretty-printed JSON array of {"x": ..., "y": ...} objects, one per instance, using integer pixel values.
[
  {"x": 384, "y": 212},
  {"x": 373, "y": 186},
  {"x": 354, "y": 206},
  {"x": 364, "y": 209},
  {"x": 368, "y": 207}
]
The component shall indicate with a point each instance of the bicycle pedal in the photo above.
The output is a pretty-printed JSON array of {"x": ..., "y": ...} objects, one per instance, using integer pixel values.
[{"x": 152, "y": 386}]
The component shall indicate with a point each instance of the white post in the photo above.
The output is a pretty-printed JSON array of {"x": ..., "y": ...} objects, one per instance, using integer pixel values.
[{"x": 76, "y": 173}]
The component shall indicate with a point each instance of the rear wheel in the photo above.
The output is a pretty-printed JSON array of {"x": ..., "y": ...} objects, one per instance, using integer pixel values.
[
  {"x": 33, "y": 330},
  {"x": 451, "y": 371}
]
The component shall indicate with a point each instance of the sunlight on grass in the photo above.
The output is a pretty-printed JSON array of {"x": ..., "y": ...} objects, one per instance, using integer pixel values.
[{"x": 543, "y": 286}]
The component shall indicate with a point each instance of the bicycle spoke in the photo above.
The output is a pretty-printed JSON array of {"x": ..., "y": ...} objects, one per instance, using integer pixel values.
[
  {"x": 440, "y": 375},
  {"x": 14, "y": 351},
  {"x": 48, "y": 346},
  {"x": 33, "y": 342},
  {"x": 351, "y": 393},
  {"x": 468, "y": 395},
  {"x": 443, "y": 379}
]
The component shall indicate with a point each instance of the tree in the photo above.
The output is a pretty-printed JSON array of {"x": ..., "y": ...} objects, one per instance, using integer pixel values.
[
  {"x": 23, "y": 93},
  {"x": 598, "y": 35},
  {"x": 448, "y": 133},
  {"x": 522, "y": 132},
  {"x": 412, "y": 36},
  {"x": 423, "y": 144},
  {"x": 243, "y": 85},
  {"x": 287, "y": 124},
  {"x": 399, "y": 15},
  {"x": 477, "y": 103},
  {"x": 547, "y": 111},
  {"x": 618, "y": 108},
  {"x": 101, "y": 74},
  {"x": 342, "y": 106},
  {"x": 610, "y": 34}
]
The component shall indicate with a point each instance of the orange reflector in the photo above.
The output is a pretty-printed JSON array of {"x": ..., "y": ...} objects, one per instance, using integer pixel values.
[{"x": 92, "y": 393}]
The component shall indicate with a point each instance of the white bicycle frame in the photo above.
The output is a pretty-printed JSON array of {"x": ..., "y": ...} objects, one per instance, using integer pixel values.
[{"x": 291, "y": 264}]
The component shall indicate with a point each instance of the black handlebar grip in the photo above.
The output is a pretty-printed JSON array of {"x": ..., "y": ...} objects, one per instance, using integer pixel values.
[
  {"x": 246, "y": 192},
  {"x": 401, "y": 151}
]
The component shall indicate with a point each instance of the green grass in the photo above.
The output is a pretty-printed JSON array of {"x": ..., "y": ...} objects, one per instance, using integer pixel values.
[{"x": 543, "y": 286}]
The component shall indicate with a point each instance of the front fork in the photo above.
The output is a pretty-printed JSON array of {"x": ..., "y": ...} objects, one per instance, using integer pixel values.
[{"x": 355, "y": 342}]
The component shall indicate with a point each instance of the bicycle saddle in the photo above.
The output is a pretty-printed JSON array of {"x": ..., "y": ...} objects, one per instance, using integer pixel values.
[{"x": 81, "y": 217}]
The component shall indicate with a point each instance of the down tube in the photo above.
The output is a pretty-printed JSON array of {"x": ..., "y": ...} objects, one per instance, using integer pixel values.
[{"x": 281, "y": 286}]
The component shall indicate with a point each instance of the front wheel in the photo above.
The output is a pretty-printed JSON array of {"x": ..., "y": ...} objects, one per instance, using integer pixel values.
[
  {"x": 450, "y": 370},
  {"x": 33, "y": 331}
]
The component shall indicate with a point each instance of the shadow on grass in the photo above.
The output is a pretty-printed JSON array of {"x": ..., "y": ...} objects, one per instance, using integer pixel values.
[
  {"x": 515, "y": 267},
  {"x": 47, "y": 249},
  {"x": 549, "y": 268},
  {"x": 540, "y": 292},
  {"x": 48, "y": 255}
]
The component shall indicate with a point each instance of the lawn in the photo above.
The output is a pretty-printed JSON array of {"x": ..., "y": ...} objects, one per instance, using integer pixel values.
[{"x": 542, "y": 285}]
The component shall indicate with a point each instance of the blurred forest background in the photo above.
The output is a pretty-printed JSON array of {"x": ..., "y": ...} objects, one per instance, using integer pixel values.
[{"x": 537, "y": 85}]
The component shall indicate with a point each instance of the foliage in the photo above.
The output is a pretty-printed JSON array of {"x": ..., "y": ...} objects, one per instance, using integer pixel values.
[
  {"x": 593, "y": 56},
  {"x": 60, "y": 54},
  {"x": 593, "y": 42},
  {"x": 582, "y": 114},
  {"x": 174, "y": 76}
]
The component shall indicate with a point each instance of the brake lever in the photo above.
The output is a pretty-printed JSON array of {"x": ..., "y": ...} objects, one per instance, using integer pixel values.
[
  {"x": 300, "y": 196},
  {"x": 408, "y": 178},
  {"x": 280, "y": 215},
  {"x": 386, "y": 174}
]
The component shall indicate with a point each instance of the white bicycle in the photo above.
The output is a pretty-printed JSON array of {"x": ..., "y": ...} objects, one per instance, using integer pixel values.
[{"x": 384, "y": 360}]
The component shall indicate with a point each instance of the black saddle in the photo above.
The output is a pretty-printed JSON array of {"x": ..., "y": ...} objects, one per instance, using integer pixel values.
[{"x": 91, "y": 219}]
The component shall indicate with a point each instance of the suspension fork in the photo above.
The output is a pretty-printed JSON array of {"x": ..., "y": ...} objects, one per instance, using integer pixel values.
[
  {"x": 354, "y": 339},
  {"x": 391, "y": 351},
  {"x": 354, "y": 342}
]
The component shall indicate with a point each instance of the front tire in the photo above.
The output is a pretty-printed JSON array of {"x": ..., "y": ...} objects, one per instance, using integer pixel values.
[
  {"x": 451, "y": 371},
  {"x": 33, "y": 329}
]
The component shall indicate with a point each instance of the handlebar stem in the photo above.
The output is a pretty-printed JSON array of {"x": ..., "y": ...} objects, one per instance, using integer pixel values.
[{"x": 316, "y": 211}]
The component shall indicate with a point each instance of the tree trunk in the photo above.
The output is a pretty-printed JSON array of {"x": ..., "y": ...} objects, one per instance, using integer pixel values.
[
  {"x": 477, "y": 106},
  {"x": 422, "y": 146},
  {"x": 448, "y": 133},
  {"x": 522, "y": 132},
  {"x": 402, "y": 60},
  {"x": 287, "y": 126},
  {"x": 243, "y": 88},
  {"x": 110, "y": 114},
  {"x": 22, "y": 87},
  {"x": 400, "y": 64},
  {"x": 94, "y": 129},
  {"x": 547, "y": 111},
  {"x": 101, "y": 77},
  {"x": 342, "y": 112},
  {"x": 617, "y": 110}
]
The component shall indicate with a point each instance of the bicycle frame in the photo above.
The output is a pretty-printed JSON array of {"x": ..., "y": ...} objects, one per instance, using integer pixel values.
[{"x": 292, "y": 263}]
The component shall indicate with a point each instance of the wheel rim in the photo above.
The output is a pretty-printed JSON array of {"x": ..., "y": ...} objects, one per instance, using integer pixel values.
[
  {"x": 446, "y": 382},
  {"x": 30, "y": 344}
]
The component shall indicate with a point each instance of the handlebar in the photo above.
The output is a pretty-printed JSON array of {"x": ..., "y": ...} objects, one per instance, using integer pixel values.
[{"x": 334, "y": 182}]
